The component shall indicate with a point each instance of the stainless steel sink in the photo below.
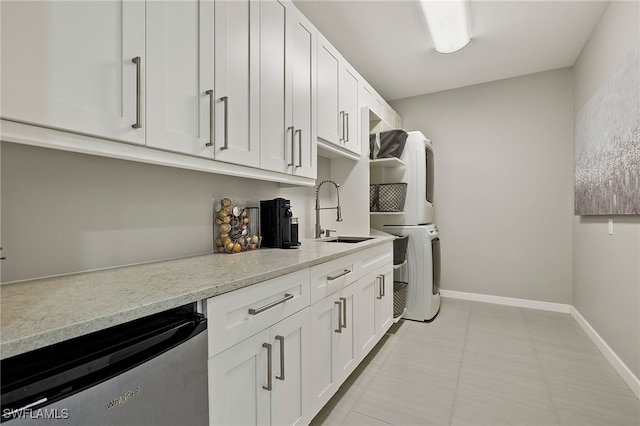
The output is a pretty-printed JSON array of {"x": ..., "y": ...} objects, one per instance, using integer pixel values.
[{"x": 352, "y": 240}]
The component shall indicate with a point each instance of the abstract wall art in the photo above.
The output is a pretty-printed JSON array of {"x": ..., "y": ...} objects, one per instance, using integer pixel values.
[{"x": 607, "y": 138}]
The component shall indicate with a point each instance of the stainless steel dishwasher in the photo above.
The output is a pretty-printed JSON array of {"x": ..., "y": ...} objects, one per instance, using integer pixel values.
[{"x": 151, "y": 371}]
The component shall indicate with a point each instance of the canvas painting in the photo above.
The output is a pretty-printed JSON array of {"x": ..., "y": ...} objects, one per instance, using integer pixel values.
[{"x": 607, "y": 174}]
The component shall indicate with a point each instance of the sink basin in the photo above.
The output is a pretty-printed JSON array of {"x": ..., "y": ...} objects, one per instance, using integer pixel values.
[{"x": 351, "y": 240}]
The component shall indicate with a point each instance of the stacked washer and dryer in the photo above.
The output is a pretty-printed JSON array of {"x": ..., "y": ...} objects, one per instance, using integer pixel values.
[{"x": 422, "y": 271}]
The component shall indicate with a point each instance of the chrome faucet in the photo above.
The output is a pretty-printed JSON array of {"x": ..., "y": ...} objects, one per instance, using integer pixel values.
[{"x": 319, "y": 231}]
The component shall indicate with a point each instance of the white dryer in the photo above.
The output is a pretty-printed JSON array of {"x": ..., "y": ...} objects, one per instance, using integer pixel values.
[{"x": 422, "y": 270}]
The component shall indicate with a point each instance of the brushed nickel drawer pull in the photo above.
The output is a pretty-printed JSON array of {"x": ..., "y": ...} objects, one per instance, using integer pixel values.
[
  {"x": 339, "y": 303},
  {"x": 299, "y": 132},
  {"x": 286, "y": 297},
  {"x": 342, "y": 274},
  {"x": 138, "y": 61},
  {"x": 281, "y": 340},
  {"x": 291, "y": 129},
  {"x": 384, "y": 282},
  {"x": 346, "y": 139},
  {"x": 269, "y": 385},
  {"x": 225, "y": 99},
  {"x": 211, "y": 118},
  {"x": 344, "y": 312},
  {"x": 379, "y": 281}
]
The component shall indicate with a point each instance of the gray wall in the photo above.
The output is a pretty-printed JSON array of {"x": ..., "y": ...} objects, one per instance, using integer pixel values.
[
  {"x": 65, "y": 212},
  {"x": 503, "y": 183},
  {"x": 606, "y": 268}
]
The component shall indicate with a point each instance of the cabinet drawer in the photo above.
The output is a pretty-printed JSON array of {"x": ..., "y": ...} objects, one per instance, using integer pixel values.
[
  {"x": 329, "y": 277},
  {"x": 240, "y": 314},
  {"x": 374, "y": 258}
]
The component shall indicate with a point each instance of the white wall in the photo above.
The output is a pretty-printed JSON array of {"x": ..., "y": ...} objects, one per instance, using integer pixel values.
[
  {"x": 606, "y": 268},
  {"x": 503, "y": 183}
]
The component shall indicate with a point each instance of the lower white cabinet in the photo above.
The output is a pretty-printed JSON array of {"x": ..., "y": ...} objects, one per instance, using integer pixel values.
[
  {"x": 259, "y": 345},
  {"x": 263, "y": 379},
  {"x": 280, "y": 349},
  {"x": 375, "y": 308},
  {"x": 236, "y": 377},
  {"x": 334, "y": 347}
]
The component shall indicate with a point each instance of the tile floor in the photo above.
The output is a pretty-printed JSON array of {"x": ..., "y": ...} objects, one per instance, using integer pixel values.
[{"x": 484, "y": 364}]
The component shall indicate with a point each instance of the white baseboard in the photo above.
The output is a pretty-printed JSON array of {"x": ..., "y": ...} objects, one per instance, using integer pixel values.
[
  {"x": 510, "y": 301},
  {"x": 627, "y": 375}
]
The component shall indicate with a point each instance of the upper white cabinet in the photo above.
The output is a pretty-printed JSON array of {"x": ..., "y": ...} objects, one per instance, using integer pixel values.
[
  {"x": 237, "y": 76},
  {"x": 337, "y": 99},
  {"x": 349, "y": 108},
  {"x": 302, "y": 46},
  {"x": 329, "y": 117},
  {"x": 69, "y": 66},
  {"x": 287, "y": 58},
  {"x": 179, "y": 76},
  {"x": 249, "y": 84}
]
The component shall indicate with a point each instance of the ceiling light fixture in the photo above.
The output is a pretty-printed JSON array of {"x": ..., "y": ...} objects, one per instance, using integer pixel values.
[{"x": 448, "y": 25}]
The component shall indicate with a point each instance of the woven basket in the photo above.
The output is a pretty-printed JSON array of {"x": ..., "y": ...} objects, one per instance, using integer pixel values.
[
  {"x": 387, "y": 197},
  {"x": 400, "y": 249},
  {"x": 399, "y": 297}
]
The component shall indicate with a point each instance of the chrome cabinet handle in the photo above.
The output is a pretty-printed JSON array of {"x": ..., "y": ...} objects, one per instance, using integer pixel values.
[
  {"x": 281, "y": 340},
  {"x": 269, "y": 385},
  {"x": 225, "y": 99},
  {"x": 379, "y": 281},
  {"x": 342, "y": 123},
  {"x": 138, "y": 61},
  {"x": 384, "y": 285},
  {"x": 344, "y": 312},
  {"x": 211, "y": 118},
  {"x": 291, "y": 129},
  {"x": 261, "y": 309},
  {"x": 342, "y": 274},
  {"x": 346, "y": 139},
  {"x": 339, "y": 303},
  {"x": 299, "y": 132}
]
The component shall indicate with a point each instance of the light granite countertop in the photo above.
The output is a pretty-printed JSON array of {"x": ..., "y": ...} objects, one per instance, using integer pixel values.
[{"x": 41, "y": 312}]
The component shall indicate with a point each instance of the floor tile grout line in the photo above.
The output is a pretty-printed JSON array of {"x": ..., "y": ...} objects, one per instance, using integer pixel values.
[
  {"x": 464, "y": 345},
  {"x": 542, "y": 373}
]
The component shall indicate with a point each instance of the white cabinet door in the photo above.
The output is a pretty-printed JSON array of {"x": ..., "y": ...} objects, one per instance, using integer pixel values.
[
  {"x": 384, "y": 304},
  {"x": 287, "y": 135},
  {"x": 349, "y": 109},
  {"x": 236, "y": 82},
  {"x": 290, "y": 399},
  {"x": 346, "y": 355},
  {"x": 179, "y": 74},
  {"x": 369, "y": 290},
  {"x": 365, "y": 96},
  {"x": 302, "y": 47},
  {"x": 398, "y": 121},
  {"x": 69, "y": 65},
  {"x": 324, "y": 380},
  {"x": 237, "y": 378},
  {"x": 264, "y": 379},
  {"x": 329, "y": 122},
  {"x": 276, "y": 131},
  {"x": 375, "y": 308},
  {"x": 389, "y": 115},
  {"x": 334, "y": 346}
]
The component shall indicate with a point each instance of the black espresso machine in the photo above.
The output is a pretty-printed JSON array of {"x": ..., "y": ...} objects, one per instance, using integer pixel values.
[{"x": 278, "y": 226}]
